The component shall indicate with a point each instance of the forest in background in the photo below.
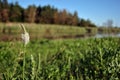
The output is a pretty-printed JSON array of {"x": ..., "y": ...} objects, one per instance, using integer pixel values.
[{"x": 13, "y": 12}]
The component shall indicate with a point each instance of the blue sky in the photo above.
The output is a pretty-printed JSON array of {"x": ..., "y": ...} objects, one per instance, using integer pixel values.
[{"x": 98, "y": 11}]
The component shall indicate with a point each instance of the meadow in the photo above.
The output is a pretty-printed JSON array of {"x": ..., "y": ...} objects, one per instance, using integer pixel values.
[
  {"x": 67, "y": 59},
  {"x": 12, "y": 31}
]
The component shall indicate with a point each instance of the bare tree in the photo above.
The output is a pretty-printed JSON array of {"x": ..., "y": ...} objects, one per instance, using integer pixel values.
[{"x": 109, "y": 23}]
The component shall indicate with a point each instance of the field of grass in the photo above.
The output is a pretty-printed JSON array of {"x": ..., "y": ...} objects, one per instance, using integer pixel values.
[
  {"x": 38, "y": 31},
  {"x": 71, "y": 59},
  {"x": 11, "y": 31},
  {"x": 109, "y": 30}
]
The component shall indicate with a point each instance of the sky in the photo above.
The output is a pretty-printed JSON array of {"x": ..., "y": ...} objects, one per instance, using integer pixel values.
[{"x": 98, "y": 11}]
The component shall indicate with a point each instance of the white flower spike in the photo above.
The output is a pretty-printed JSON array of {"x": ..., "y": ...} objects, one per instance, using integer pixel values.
[{"x": 25, "y": 35}]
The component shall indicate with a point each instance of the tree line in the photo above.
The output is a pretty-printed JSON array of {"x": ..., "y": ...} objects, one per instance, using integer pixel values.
[{"x": 13, "y": 12}]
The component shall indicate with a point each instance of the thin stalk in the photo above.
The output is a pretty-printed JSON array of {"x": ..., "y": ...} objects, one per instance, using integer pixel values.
[
  {"x": 23, "y": 65},
  {"x": 39, "y": 63}
]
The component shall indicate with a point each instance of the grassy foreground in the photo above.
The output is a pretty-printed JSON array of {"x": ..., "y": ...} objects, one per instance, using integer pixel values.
[{"x": 85, "y": 59}]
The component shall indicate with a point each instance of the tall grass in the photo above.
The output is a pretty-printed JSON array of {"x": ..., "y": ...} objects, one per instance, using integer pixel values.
[
  {"x": 85, "y": 59},
  {"x": 38, "y": 31}
]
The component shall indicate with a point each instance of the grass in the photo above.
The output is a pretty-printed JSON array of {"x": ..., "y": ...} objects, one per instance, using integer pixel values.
[
  {"x": 71, "y": 59},
  {"x": 38, "y": 31},
  {"x": 109, "y": 30}
]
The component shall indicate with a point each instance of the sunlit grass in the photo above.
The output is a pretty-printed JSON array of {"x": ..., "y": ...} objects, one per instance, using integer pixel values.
[
  {"x": 38, "y": 31},
  {"x": 76, "y": 59}
]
